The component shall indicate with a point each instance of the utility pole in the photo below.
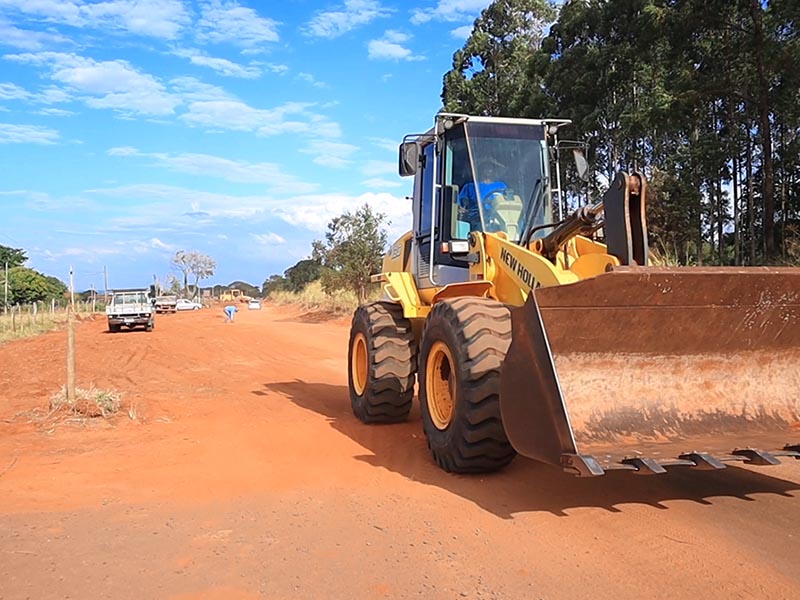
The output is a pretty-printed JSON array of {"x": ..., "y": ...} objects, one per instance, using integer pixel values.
[{"x": 105, "y": 284}]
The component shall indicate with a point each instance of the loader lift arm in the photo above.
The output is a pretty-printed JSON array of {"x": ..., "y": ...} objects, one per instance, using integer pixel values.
[{"x": 557, "y": 345}]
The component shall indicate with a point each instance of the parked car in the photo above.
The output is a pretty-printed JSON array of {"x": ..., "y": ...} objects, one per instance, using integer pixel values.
[
  {"x": 254, "y": 304},
  {"x": 166, "y": 304},
  {"x": 184, "y": 304}
]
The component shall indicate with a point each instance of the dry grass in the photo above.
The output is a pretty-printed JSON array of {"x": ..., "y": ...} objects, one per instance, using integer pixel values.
[
  {"x": 23, "y": 325},
  {"x": 661, "y": 256},
  {"x": 314, "y": 298},
  {"x": 89, "y": 402}
]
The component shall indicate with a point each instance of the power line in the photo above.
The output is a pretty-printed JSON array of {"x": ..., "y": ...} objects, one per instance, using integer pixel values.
[{"x": 10, "y": 239}]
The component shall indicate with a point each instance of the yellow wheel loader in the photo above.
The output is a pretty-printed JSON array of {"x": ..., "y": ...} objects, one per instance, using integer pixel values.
[{"x": 528, "y": 335}]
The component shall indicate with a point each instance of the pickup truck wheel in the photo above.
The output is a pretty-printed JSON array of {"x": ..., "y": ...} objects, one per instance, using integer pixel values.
[{"x": 114, "y": 328}]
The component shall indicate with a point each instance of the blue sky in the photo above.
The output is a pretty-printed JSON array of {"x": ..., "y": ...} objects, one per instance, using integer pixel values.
[{"x": 130, "y": 129}]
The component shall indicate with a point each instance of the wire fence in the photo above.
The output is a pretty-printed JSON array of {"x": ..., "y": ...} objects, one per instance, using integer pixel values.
[{"x": 23, "y": 320}]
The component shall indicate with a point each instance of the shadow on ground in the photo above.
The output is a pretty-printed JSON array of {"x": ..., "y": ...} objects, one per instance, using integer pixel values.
[
  {"x": 525, "y": 485},
  {"x": 314, "y": 316}
]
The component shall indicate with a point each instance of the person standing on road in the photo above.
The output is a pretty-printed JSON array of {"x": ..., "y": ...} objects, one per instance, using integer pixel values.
[{"x": 230, "y": 310}]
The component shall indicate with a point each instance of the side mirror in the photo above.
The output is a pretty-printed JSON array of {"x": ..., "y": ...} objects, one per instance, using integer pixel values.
[
  {"x": 580, "y": 164},
  {"x": 410, "y": 153}
]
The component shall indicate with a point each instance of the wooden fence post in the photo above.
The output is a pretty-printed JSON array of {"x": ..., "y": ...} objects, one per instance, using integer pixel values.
[{"x": 70, "y": 356}]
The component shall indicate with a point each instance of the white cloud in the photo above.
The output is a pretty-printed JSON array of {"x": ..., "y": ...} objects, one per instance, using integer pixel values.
[
  {"x": 27, "y": 134},
  {"x": 154, "y": 18},
  {"x": 233, "y": 114},
  {"x": 194, "y": 90},
  {"x": 372, "y": 168},
  {"x": 278, "y": 69},
  {"x": 157, "y": 243},
  {"x": 27, "y": 39},
  {"x": 330, "y": 154},
  {"x": 220, "y": 65},
  {"x": 385, "y": 143},
  {"x": 309, "y": 78},
  {"x": 268, "y": 239},
  {"x": 331, "y": 24},
  {"x": 228, "y": 21},
  {"x": 376, "y": 183},
  {"x": 11, "y": 91},
  {"x": 169, "y": 207},
  {"x": 314, "y": 212},
  {"x": 450, "y": 10},
  {"x": 53, "y": 95},
  {"x": 111, "y": 84},
  {"x": 172, "y": 208},
  {"x": 268, "y": 174},
  {"x": 55, "y": 112},
  {"x": 391, "y": 47},
  {"x": 461, "y": 33},
  {"x": 123, "y": 151}
]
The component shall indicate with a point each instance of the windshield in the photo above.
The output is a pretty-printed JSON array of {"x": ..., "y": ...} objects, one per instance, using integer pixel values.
[
  {"x": 131, "y": 298},
  {"x": 506, "y": 161}
]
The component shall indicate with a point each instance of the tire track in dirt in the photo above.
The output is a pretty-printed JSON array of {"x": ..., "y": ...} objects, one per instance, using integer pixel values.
[{"x": 259, "y": 483}]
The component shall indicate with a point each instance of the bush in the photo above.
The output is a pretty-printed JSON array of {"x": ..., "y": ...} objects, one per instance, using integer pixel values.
[{"x": 314, "y": 297}]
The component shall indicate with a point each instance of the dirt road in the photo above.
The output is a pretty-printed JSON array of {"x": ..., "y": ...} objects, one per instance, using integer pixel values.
[{"x": 245, "y": 475}]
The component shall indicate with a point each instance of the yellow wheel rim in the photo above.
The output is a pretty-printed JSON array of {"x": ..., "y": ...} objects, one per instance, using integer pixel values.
[
  {"x": 440, "y": 385},
  {"x": 359, "y": 365}
]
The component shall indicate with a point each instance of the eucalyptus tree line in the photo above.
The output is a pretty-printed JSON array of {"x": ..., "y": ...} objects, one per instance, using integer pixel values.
[{"x": 702, "y": 96}]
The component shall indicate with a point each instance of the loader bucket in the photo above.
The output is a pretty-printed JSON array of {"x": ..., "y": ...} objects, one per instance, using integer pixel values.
[{"x": 643, "y": 368}]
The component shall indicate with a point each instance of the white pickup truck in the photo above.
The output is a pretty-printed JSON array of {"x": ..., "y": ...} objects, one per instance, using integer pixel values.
[{"x": 131, "y": 308}]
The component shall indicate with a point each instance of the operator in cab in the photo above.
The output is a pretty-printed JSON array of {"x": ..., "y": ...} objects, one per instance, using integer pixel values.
[{"x": 491, "y": 188}]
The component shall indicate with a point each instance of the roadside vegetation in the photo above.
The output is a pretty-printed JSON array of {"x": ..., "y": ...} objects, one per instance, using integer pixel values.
[
  {"x": 18, "y": 321},
  {"x": 336, "y": 277},
  {"x": 313, "y": 297},
  {"x": 699, "y": 95},
  {"x": 89, "y": 402}
]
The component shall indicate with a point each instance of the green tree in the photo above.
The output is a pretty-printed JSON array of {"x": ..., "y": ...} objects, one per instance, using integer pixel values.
[
  {"x": 246, "y": 288},
  {"x": 488, "y": 72},
  {"x": 352, "y": 250},
  {"x": 274, "y": 283},
  {"x": 302, "y": 273},
  {"x": 26, "y": 286},
  {"x": 193, "y": 263},
  {"x": 13, "y": 257}
]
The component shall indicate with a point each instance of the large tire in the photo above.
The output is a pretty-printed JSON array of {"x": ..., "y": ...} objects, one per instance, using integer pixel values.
[
  {"x": 381, "y": 363},
  {"x": 463, "y": 348}
]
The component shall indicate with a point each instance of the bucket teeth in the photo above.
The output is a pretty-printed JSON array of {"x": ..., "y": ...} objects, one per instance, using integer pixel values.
[
  {"x": 645, "y": 466},
  {"x": 756, "y": 457},
  {"x": 703, "y": 461},
  {"x": 793, "y": 448},
  {"x": 581, "y": 466}
]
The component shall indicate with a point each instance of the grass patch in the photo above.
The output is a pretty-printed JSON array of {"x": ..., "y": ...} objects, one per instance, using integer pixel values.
[
  {"x": 89, "y": 402},
  {"x": 18, "y": 326},
  {"x": 20, "y": 323},
  {"x": 314, "y": 298}
]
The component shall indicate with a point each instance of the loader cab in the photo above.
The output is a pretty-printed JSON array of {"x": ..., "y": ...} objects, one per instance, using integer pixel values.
[{"x": 473, "y": 174}]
